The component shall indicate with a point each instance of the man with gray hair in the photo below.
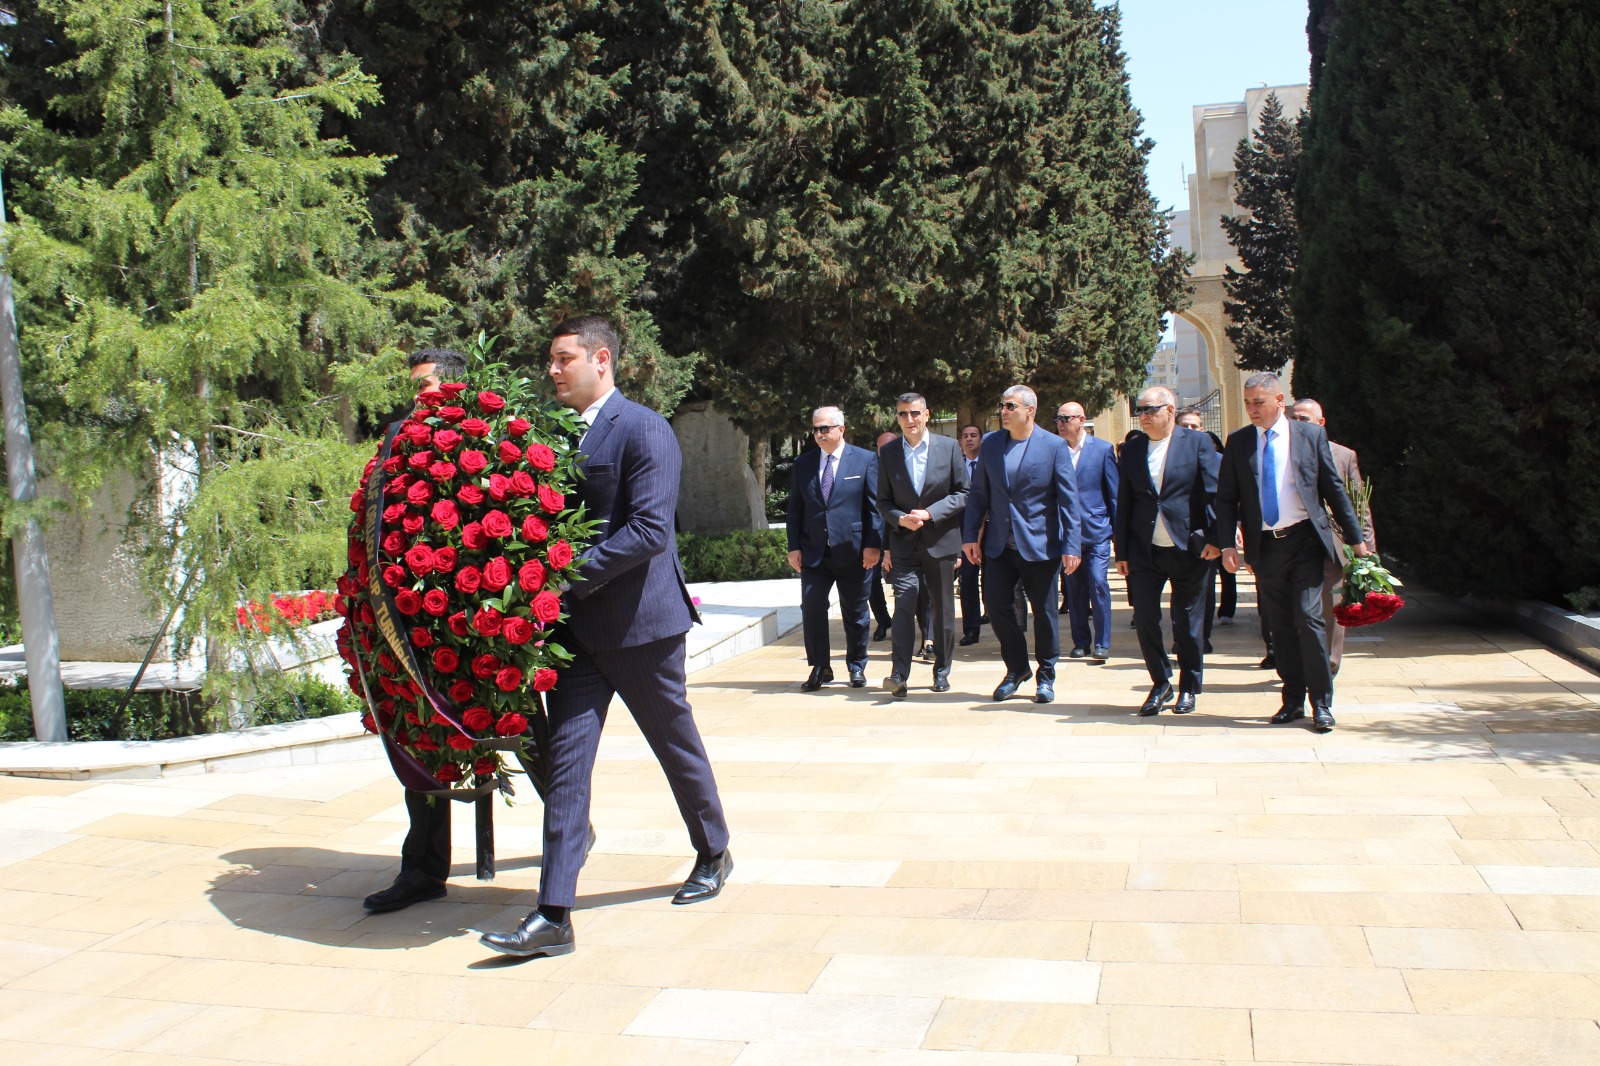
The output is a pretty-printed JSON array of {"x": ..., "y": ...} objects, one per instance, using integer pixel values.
[
  {"x": 835, "y": 539},
  {"x": 1025, "y": 488},
  {"x": 1279, "y": 485}
]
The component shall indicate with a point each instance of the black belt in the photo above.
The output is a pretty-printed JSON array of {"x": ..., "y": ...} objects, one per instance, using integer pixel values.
[{"x": 1285, "y": 531}]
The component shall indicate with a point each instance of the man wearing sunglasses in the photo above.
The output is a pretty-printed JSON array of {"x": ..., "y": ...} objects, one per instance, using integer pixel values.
[
  {"x": 1025, "y": 488},
  {"x": 1095, "y": 466},
  {"x": 1168, "y": 479},
  {"x": 835, "y": 539}
]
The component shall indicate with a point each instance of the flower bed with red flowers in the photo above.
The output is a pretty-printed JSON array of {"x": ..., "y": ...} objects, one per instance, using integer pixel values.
[
  {"x": 456, "y": 574},
  {"x": 289, "y": 611}
]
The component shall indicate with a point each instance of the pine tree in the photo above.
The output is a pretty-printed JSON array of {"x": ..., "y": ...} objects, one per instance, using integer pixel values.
[
  {"x": 188, "y": 255},
  {"x": 1267, "y": 240},
  {"x": 1449, "y": 194}
]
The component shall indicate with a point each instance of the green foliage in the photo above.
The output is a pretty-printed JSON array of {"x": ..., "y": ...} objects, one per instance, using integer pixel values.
[
  {"x": 748, "y": 555},
  {"x": 1450, "y": 183},
  {"x": 1267, "y": 240}
]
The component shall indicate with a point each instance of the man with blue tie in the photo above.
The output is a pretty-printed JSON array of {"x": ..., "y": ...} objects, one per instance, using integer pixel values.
[
  {"x": 967, "y": 574},
  {"x": 1095, "y": 463},
  {"x": 835, "y": 539},
  {"x": 1025, "y": 488},
  {"x": 1279, "y": 485}
]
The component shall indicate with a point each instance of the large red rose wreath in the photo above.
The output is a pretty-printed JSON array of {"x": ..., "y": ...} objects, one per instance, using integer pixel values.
[{"x": 459, "y": 549}]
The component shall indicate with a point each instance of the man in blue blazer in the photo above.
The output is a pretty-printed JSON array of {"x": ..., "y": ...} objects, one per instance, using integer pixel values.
[
  {"x": 1025, "y": 488},
  {"x": 835, "y": 539},
  {"x": 1168, "y": 479},
  {"x": 1095, "y": 463},
  {"x": 626, "y": 621}
]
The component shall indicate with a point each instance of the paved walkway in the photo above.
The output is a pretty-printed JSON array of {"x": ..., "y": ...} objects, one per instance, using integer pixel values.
[{"x": 937, "y": 881}]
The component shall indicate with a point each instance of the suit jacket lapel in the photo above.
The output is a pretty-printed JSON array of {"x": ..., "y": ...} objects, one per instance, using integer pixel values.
[{"x": 602, "y": 427}]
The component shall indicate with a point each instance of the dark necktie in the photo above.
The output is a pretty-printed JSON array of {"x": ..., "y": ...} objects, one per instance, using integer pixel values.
[
  {"x": 1269, "y": 484},
  {"x": 827, "y": 479}
]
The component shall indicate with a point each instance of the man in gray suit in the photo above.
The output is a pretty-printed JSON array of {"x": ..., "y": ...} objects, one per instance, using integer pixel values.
[
  {"x": 1344, "y": 460},
  {"x": 626, "y": 621},
  {"x": 922, "y": 495}
]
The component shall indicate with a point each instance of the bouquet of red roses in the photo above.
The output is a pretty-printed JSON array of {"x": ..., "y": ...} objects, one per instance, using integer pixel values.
[
  {"x": 460, "y": 547},
  {"x": 1367, "y": 595}
]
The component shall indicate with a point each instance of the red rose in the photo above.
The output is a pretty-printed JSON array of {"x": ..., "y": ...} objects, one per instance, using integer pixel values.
[
  {"x": 394, "y": 542},
  {"x": 358, "y": 502},
  {"x": 418, "y": 434},
  {"x": 547, "y": 607},
  {"x": 419, "y": 460},
  {"x": 393, "y": 513},
  {"x": 366, "y": 471},
  {"x": 441, "y": 471},
  {"x": 508, "y": 679},
  {"x": 407, "y": 602},
  {"x": 497, "y": 573},
  {"x": 490, "y": 403},
  {"x": 444, "y": 559},
  {"x": 477, "y": 718},
  {"x": 475, "y": 427},
  {"x": 469, "y": 579},
  {"x": 472, "y": 537},
  {"x": 485, "y": 666},
  {"x": 367, "y": 616},
  {"x": 367, "y": 723},
  {"x": 447, "y": 440},
  {"x": 452, "y": 389},
  {"x": 534, "y": 529},
  {"x": 452, "y": 414},
  {"x": 458, "y": 624},
  {"x": 397, "y": 485},
  {"x": 420, "y": 559},
  {"x": 461, "y": 691},
  {"x": 530, "y": 576},
  {"x": 517, "y": 630},
  {"x": 486, "y": 766},
  {"x": 518, "y": 427},
  {"x": 509, "y": 452},
  {"x": 470, "y": 495},
  {"x": 436, "y": 602},
  {"x": 541, "y": 457},
  {"x": 419, "y": 493},
  {"x": 445, "y": 660},
  {"x": 473, "y": 461},
  {"x": 421, "y": 638},
  {"x": 412, "y": 524},
  {"x": 447, "y": 773},
  {"x": 551, "y": 500},
  {"x": 560, "y": 554},
  {"x": 393, "y": 464},
  {"x": 487, "y": 621},
  {"x": 394, "y": 576},
  {"x": 460, "y": 742},
  {"x": 511, "y": 725},
  {"x": 544, "y": 680},
  {"x": 497, "y": 524},
  {"x": 522, "y": 484},
  {"x": 499, "y": 487},
  {"x": 427, "y": 743}
]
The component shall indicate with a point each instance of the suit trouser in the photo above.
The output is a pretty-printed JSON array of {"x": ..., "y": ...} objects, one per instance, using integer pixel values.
[
  {"x": 427, "y": 845},
  {"x": 1001, "y": 574},
  {"x": 1289, "y": 580},
  {"x": 1229, "y": 603},
  {"x": 1146, "y": 579},
  {"x": 1209, "y": 606},
  {"x": 876, "y": 599},
  {"x": 971, "y": 600},
  {"x": 651, "y": 680},
  {"x": 816, "y": 582},
  {"x": 1090, "y": 586},
  {"x": 923, "y": 584},
  {"x": 1332, "y": 578}
]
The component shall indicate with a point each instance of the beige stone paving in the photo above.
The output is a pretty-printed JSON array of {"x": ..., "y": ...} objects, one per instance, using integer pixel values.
[{"x": 938, "y": 881}]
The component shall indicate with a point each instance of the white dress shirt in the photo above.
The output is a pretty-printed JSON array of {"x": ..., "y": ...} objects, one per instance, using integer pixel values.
[
  {"x": 1156, "y": 457},
  {"x": 916, "y": 462}
]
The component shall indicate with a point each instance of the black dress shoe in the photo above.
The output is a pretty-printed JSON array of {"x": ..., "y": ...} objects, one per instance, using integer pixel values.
[
  {"x": 1269, "y": 662},
  {"x": 1286, "y": 715},
  {"x": 1078, "y": 653},
  {"x": 1160, "y": 693},
  {"x": 1208, "y": 648},
  {"x": 1045, "y": 693},
  {"x": 706, "y": 879},
  {"x": 1185, "y": 704},
  {"x": 1322, "y": 720},
  {"x": 535, "y": 935},
  {"x": 881, "y": 632},
  {"x": 410, "y": 887},
  {"x": 858, "y": 677},
  {"x": 968, "y": 640},
  {"x": 1101, "y": 653},
  {"x": 895, "y": 686},
  {"x": 1008, "y": 687},
  {"x": 927, "y": 651},
  {"x": 941, "y": 682},
  {"x": 820, "y": 675}
]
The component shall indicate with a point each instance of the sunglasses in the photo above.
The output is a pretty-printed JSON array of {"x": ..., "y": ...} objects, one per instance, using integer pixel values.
[
  {"x": 1150, "y": 408},
  {"x": 821, "y": 430},
  {"x": 1067, "y": 418},
  {"x": 1012, "y": 405}
]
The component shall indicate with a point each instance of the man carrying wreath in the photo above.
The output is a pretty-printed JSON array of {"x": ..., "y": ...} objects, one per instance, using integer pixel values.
[{"x": 626, "y": 624}]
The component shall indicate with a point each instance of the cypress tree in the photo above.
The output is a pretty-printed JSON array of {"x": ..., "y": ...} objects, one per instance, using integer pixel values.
[
  {"x": 1450, "y": 256},
  {"x": 1267, "y": 240}
]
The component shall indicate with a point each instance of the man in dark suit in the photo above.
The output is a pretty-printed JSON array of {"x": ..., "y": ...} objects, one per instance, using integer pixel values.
[
  {"x": 1094, "y": 462},
  {"x": 1279, "y": 484},
  {"x": 922, "y": 495},
  {"x": 967, "y": 573},
  {"x": 835, "y": 539},
  {"x": 626, "y": 621},
  {"x": 1025, "y": 489},
  {"x": 1168, "y": 479}
]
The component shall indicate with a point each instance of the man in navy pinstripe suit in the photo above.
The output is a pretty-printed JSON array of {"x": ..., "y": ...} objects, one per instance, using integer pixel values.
[{"x": 626, "y": 622}]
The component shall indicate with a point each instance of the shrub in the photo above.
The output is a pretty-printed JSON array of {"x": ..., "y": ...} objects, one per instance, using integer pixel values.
[{"x": 748, "y": 555}]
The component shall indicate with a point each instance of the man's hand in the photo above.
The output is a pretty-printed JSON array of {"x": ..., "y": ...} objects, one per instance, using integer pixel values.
[
  {"x": 971, "y": 552},
  {"x": 1361, "y": 549},
  {"x": 794, "y": 561},
  {"x": 870, "y": 556},
  {"x": 910, "y": 520},
  {"x": 1069, "y": 563},
  {"x": 1210, "y": 552},
  {"x": 1230, "y": 559},
  {"x": 1122, "y": 568}
]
